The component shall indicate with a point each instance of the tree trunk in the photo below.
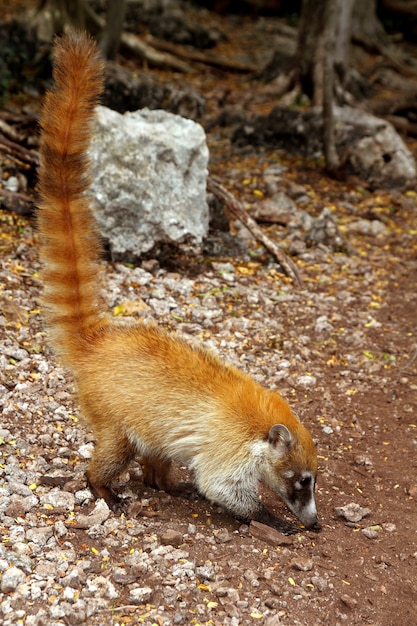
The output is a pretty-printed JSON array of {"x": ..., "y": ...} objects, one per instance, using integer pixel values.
[
  {"x": 110, "y": 39},
  {"x": 309, "y": 58},
  {"x": 54, "y": 15},
  {"x": 330, "y": 22},
  {"x": 352, "y": 17},
  {"x": 365, "y": 24}
]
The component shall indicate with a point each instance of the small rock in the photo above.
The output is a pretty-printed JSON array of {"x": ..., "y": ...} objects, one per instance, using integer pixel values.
[
  {"x": 98, "y": 515},
  {"x": 349, "y": 601},
  {"x": 11, "y": 579},
  {"x": 370, "y": 533},
  {"x": 59, "y": 499},
  {"x": 268, "y": 534},
  {"x": 60, "y": 529},
  {"x": 328, "y": 430},
  {"x": 319, "y": 582},
  {"x": 228, "y": 592},
  {"x": 251, "y": 577},
  {"x": 303, "y": 564},
  {"x": 279, "y": 210},
  {"x": 352, "y": 512},
  {"x": 363, "y": 460},
  {"x": 306, "y": 381},
  {"x": 323, "y": 325},
  {"x": 272, "y": 620},
  {"x": 140, "y": 595},
  {"x": 374, "y": 228},
  {"x": 171, "y": 537},
  {"x": 86, "y": 451},
  {"x": 39, "y": 536},
  {"x": 412, "y": 490},
  {"x": 222, "y": 536}
]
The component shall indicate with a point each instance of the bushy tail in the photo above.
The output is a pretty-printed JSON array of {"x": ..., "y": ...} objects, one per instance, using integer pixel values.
[{"x": 70, "y": 244}]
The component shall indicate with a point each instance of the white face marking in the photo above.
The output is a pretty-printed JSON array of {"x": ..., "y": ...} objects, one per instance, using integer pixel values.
[
  {"x": 289, "y": 474},
  {"x": 310, "y": 509}
]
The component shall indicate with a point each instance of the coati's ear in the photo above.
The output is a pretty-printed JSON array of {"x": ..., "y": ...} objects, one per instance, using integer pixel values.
[{"x": 280, "y": 441}]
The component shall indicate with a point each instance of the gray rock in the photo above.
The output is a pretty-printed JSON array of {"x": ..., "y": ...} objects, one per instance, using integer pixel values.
[
  {"x": 306, "y": 381},
  {"x": 97, "y": 516},
  {"x": 352, "y": 512},
  {"x": 11, "y": 579},
  {"x": 140, "y": 595},
  {"x": 279, "y": 209},
  {"x": 323, "y": 230},
  {"x": 302, "y": 564},
  {"x": 171, "y": 537},
  {"x": 376, "y": 151},
  {"x": 323, "y": 325},
  {"x": 39, "y": 536},
  {"x": 368, "y": 227},
  {"x": 370, "y": 146},
  {"x": 59, "y": 499},
  {"x": 149, "y": 173}
]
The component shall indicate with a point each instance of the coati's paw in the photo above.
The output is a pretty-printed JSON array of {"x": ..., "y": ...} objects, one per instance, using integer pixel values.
[
  {"x": 113, "y": 501},
  {"x": 185, "y": 490},
  {"x": 118, "y": 505},
  {"x": 286, "y": 528}
]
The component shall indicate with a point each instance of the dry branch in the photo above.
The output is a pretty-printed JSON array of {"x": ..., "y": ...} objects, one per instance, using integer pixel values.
[
  {"x": 18, "y": 151},
  {"x": 139, "y": 48},
  {"x": 289, "y": 267},
  {"x": 200, "y": 57},
  {"x": 17, "y": 202}
]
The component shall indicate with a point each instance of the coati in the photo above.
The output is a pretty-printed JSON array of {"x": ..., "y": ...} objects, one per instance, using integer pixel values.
[{"x": 144, "y": 392}]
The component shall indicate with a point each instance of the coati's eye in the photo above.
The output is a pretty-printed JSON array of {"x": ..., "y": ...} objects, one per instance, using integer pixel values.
[{"x": 305, "y": 480}]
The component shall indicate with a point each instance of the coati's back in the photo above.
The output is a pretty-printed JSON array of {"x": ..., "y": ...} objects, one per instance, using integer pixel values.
[{"x": 143, "y": 391}]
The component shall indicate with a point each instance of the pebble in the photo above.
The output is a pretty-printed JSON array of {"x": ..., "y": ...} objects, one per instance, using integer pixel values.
[
  {"x": 39, "y": 536},
  {"x": 140, "y": 595},
  {"x": 319, "y": 583},
  {"x": 171, "y": 537},
  {"x": 303, "y": 564},
  {"x": 370, "y": 533},
  {"x": 349, "y": 601},
  {"x": 352, "y": 512},
  {"x": 11, "y": 579},
  {"x": 412, "y": 490},
  {"x": 306, "y": 382}
]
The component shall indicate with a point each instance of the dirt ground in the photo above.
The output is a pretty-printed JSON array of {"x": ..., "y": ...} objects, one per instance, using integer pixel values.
[{"x": 342, "y": 349}]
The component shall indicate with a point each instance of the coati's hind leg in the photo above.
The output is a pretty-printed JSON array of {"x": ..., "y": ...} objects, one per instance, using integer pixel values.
[
  {"x": 111, "y": 457},
  {"x": 156, "y": 474}
]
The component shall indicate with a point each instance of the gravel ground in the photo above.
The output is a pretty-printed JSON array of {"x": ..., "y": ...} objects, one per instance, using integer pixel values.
[{"x": 341, "y": 350}]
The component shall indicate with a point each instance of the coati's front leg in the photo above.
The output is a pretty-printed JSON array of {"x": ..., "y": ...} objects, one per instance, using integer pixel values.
[
  {"x": 156, "y": 474},
  {"x": 112, "y": 455}
]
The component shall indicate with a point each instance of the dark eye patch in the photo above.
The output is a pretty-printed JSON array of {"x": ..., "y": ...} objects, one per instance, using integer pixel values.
[{"x": 305, "y": 481}]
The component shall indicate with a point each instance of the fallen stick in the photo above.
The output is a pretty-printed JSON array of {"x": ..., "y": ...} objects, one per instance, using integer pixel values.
[
  {"x": 19, "y": 152},
  {"x": 207, "y": 59},
  {"x": 289, "y": 267}
]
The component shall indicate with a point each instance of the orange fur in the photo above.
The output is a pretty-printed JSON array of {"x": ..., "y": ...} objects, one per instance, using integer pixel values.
[{"x": 143, "y": 391}]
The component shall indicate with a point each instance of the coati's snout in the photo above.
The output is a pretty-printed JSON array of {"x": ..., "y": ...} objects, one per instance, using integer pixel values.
[
  {"x": 298, "y": 494},
  {"x": 293, "y": 461}
]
